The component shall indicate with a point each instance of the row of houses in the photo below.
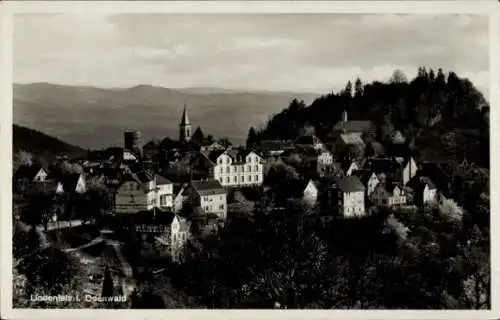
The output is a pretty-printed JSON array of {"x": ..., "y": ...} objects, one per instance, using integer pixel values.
[{"x": 397, "y": 183}]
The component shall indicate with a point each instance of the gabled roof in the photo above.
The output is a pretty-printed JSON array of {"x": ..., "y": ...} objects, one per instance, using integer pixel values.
[
  {"x": 153, "y": 144},
  {"x": 214, "y": 155},
  {"x": 161, "y": 180},
  {"x": 354, "y": 126},
  {"x": 364, "y": 175},
  {"x": 207, "y": 187},
  {"x": 349, "y": 184},
  {"x": 139, "y": 177},
  {"x": 418, "y": 183},
  {"x": 352, "y": 138},
  {"x": 377, "y": 147}
]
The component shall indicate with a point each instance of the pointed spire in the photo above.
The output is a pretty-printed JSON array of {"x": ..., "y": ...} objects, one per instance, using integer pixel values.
[{"x": 185, "y": 119}]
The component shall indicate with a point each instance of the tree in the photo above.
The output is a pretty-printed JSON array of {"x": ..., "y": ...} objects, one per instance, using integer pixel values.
[
  {"x": 67, "y": 167},
  {"x": 348, "y": 89},
  {"x": 432, "y": 76},
  {"x": 25, "y": 158},
  {"x": 252, "y": 138},
  {"x": 47, "y": 268},
  {"x": 198, "y": 135},
  {"x": 224, "y": 142},
  {"x": 398, "y": 76},
  {"x": 38, "y": 209},
  {"x": 107, "y": 284},
  {"x": 358, "y": 88}
]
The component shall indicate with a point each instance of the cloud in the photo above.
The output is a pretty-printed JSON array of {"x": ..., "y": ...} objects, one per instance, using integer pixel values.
[{"x": 286, "y": 52}]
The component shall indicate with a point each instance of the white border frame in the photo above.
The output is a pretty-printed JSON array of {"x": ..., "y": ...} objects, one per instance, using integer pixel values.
[{"x": 490, "y": 8}]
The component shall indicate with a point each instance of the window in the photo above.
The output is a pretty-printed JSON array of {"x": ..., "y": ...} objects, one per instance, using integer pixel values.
[
  {"x": 256, "y": 178},
  {"x": 256, "y": 168},
  {"x": 221, "y": 170},
  {"x": 249, "y": 168},
  {"x": 220, "y": 161},
  {"x": 220, "y": 197},
  {"x": 221, "y": 207},
  {"x": 242, "y": 168},
  {"x": 227, "y": 180},
  {"x": 242, "y": 178},
  {"x": 234, "y": 168},
  {"x": 227, "y": 169},
  {"x": 132, "y": 198},
  {"x": 235, "y": 179},
  {"x": 249, "y": 178}
]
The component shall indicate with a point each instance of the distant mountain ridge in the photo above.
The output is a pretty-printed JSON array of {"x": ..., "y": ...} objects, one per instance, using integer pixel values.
[{"x": 93, "y": 117}]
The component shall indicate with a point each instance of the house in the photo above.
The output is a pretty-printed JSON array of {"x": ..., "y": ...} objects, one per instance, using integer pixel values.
[
  {"x": 273, "y": 148},
  {"x": 25, "y": 176},
  {"x": 388, "y": 194},
  {"x": 410, "y": 168},
  {"x": 359, "y": 127},
  {"x": 424, "y": 190},
  {"x": 209, "y": 195},
  {"x": 347, "y": 195},
  {"x": 349, "y": 166},
  {"x": 237, "y": 167},
  {"x": 310, "y": 193},
  {"x": 165, "y": 192},
  {"x": 350, "y": 138},
  {"x": 175, "y": 235},
  {"x": 151, "y": 149},
  {"x": 396, "y": 169},
  {"x": 143, "y": 191},
  {"x": 368, "y": 179},
  {"x": 32, "y": 173}
]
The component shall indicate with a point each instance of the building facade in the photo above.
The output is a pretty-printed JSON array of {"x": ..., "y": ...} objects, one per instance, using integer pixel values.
[
  {"x": 210, "y": 196},
  {"x": 348, "y": 196},
  {"x": 238, "y": 168},
  {"x": 143, "y": 192}
]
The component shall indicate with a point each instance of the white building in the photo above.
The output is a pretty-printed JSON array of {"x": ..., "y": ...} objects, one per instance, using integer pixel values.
[
  {"x": 143, "y": 191},
  {"x": 348, "y": 196},
  {"x": 210, "y": 196},
  {"x": 237, "y": 167}
]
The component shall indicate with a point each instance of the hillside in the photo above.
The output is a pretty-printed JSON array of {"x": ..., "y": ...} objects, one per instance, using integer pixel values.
[
  {"x": 43, "y": 147},
  {"x": 94, "y": 118},
  {"x": 445, "y": 116}
]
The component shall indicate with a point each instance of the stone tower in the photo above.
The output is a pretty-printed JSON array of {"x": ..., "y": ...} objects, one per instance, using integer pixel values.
[{"x": 185, "y": 131}]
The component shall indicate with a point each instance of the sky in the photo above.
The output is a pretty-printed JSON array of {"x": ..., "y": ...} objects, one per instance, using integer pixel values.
[{"x": 284, "y": 52}]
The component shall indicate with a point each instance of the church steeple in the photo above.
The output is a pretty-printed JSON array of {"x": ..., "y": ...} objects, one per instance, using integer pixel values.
[{"x": 185, "y": 126}]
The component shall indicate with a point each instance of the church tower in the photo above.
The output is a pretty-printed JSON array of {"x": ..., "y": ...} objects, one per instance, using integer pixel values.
[{"x": 185, "y": 127}]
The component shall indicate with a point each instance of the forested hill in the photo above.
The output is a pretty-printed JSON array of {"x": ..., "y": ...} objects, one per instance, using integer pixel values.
[
  {"x": 445, "y": 116},
  {"x": 43, "y": 148}
]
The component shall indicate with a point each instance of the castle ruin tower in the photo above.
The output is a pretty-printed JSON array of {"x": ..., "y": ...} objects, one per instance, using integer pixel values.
[
  {"x": 185, "y": 127},
  {"x": 133, "y": 141}
]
